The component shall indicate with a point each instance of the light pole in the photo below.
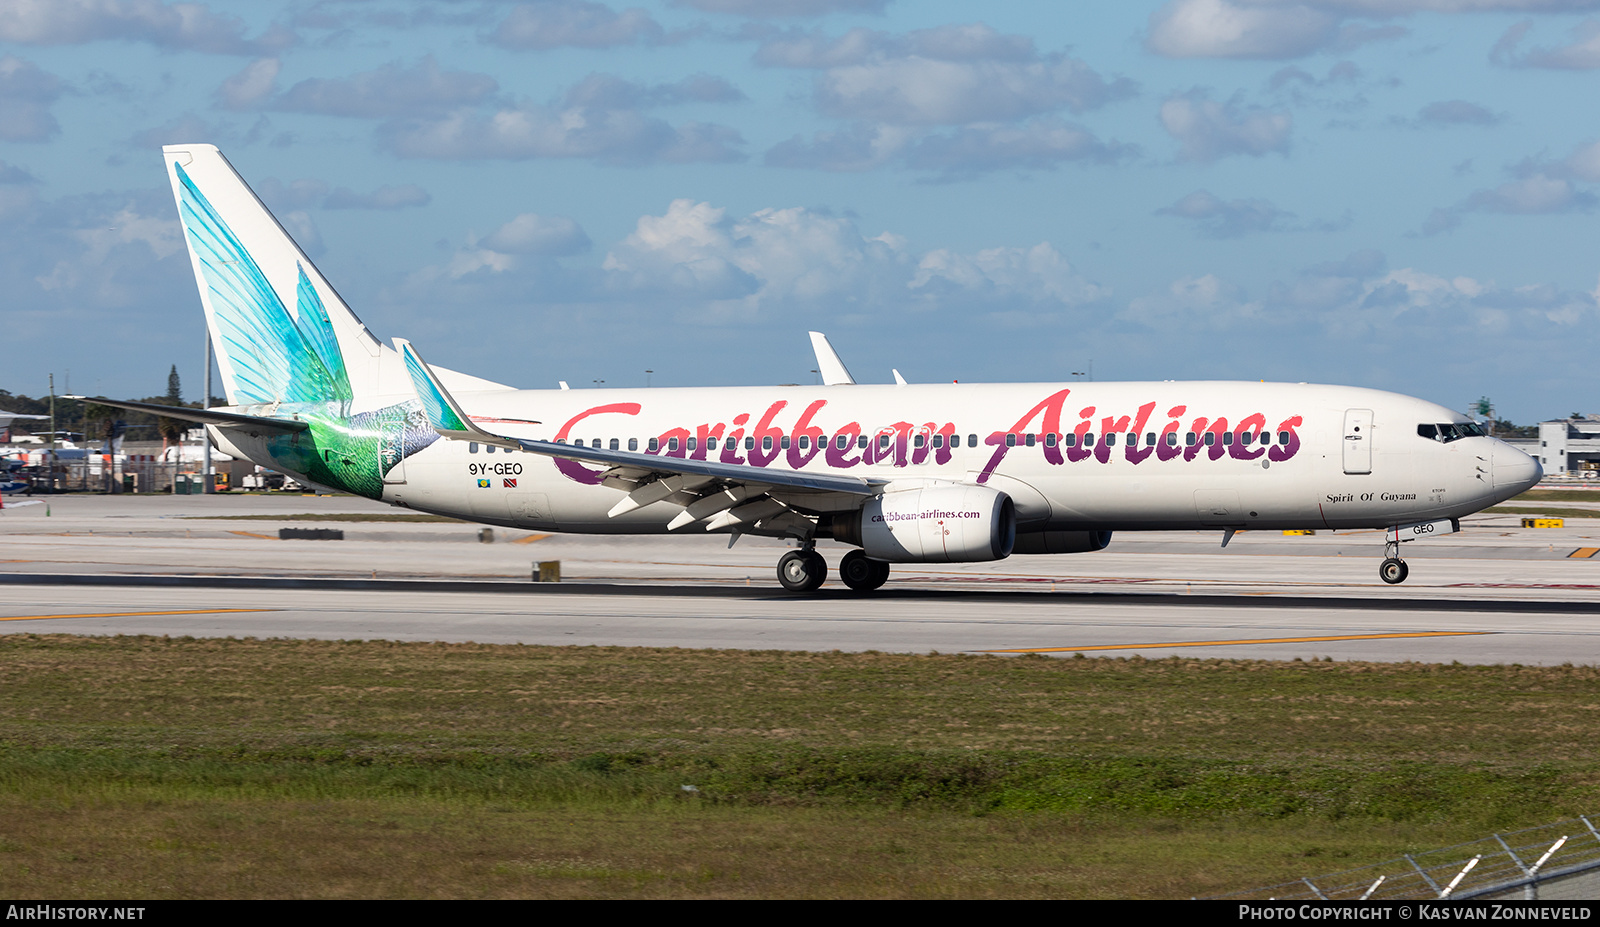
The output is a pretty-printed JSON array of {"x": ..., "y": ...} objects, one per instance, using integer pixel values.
[{"x": 205, "y": 403}]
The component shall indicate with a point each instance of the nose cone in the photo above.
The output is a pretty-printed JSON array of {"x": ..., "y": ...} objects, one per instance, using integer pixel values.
[{"x": 1514, "y": 471}]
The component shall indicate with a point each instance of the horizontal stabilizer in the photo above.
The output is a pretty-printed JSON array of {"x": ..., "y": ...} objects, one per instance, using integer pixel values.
[
  {"x": 439, "y": 406},
  {"x": 204, "y": 416}
]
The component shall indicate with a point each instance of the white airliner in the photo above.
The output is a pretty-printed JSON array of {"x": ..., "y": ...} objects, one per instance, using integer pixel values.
[{"x": 933, "y": 473}]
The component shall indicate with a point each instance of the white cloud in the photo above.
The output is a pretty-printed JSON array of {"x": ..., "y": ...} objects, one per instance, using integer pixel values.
[
  {"x": 996, "y": 91},
  {"x": 800, "y": 49},
  {"x": 1222, "y": 29},
  {"x": 528, "y": 131},
  {"x": 608, "y": 91},
  {"x": 1360, "y": 302},
  {"x": 1445, "y": 113},
  {"x": 303, "y": 229},
  {"x": 1276, "y": 29},
  {"x": 389, "y": 196},
  {"x": 740, "y": 269},
  {"x": 1036, "y": 274},
  {"x": 1038, "y": 144},
  {"x": 177, "y": 26},
  {"x": 182, "y": 129},
  {"x": 1218, "y": 218},
  {"x": 928, "y": 91},
  {"x": 307, "y": 193},
  {"x": 1204, "y": 302},
  {"x": 784, "y": 8},
  {"x": 859, "y": 147},
  {"x": 531, "y": 233},
  {"x": 393, "y": 90},
  {"x": 1583, "y": 164},
  {"x": 296, "y": 194},
  {"x": 1582, "y": 53},
  {"x": 1535, "y": 194},
  {"x": 545, "y": 24},
  {"x": 26, "y": 92},
  {"x": 707, "y": 267},
  {"x": 257, "y": 81},
  {"x": 1208, "y": 130}
]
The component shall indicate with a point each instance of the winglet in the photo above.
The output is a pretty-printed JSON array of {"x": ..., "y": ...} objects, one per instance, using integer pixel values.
[
  {"x": 828, "y": 362},
  {"x": 437, "y": 404}
]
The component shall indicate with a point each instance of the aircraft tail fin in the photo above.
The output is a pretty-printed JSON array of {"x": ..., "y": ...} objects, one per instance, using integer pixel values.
[{"x": 280, "y": 331}]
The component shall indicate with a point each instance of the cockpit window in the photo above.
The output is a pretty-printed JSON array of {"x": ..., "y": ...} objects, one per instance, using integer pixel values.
[{"x": 1445, "y": 432}]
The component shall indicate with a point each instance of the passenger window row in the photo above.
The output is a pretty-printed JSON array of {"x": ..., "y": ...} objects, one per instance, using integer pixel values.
[
  {"x": 1111, "y": 439},
  {"x": 1446, "y": 432}
]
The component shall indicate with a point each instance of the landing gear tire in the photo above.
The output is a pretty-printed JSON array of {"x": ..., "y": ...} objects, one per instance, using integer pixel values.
[
  {"x": 1393, "y": 571},
  {"x": 802, "y": 570},
  {"x": 862, "y": 573}
]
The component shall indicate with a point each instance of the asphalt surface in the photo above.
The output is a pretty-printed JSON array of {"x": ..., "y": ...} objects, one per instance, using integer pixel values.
[{"x": 1495, "y": 593}]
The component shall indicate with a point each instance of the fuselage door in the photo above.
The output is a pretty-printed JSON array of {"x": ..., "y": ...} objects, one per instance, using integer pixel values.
[{"x": 1358, "y": 441}]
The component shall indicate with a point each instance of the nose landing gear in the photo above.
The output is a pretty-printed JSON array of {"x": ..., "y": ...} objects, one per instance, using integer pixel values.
[{"x": 1393, "y": 570}]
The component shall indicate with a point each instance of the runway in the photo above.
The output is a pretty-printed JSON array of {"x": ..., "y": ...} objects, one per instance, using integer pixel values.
[{"x": 1493, "y": 594}]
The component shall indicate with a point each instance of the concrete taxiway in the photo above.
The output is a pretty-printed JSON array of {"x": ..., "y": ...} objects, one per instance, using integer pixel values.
[{"x": 189, "y": 565}]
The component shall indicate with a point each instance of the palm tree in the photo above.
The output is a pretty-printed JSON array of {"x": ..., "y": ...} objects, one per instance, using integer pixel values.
[{"x": 171, "y": 429}]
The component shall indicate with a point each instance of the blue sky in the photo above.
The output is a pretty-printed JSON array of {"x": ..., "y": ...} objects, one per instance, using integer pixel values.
[{"x": 1399, "y": 194}]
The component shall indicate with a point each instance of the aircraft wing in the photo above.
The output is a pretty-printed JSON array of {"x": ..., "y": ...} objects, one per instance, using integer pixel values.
[
  {"x": 722, "y": 495},
  {"x": 256, "y": 423},
  {"x": 635, "y": 465}
]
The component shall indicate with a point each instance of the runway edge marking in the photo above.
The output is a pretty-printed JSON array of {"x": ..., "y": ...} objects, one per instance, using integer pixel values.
[{"x": 1261, "y": 640}]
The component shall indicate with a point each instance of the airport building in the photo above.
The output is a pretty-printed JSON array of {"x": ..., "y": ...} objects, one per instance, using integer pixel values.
[{"x": 1570, "y": 446}]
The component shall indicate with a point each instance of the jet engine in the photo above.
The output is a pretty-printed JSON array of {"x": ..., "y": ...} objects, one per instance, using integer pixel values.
[{"x": 938, "y": 524}]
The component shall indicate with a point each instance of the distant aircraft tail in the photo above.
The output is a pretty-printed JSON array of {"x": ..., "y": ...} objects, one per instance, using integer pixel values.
[{"x": 250, "y": 273}]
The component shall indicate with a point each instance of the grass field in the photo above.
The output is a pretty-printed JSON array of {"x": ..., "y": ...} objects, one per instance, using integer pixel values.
[{"x": 154, "y": 767}]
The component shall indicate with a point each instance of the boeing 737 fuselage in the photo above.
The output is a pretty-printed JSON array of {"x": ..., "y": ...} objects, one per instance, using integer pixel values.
[{"x": 905, "y": 473}]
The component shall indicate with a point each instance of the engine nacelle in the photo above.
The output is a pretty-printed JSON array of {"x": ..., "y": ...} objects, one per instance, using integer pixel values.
[
  {"x": 1062, "y": 542},
  {"x": 938, "y": 524}
]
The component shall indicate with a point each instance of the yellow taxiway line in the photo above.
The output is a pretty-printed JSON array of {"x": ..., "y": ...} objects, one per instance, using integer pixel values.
[
  {"x": 1259, "y": 640},
  {"x": 192, "y": 611}
]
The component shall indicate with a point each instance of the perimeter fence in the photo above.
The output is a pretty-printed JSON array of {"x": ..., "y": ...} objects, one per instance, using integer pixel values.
[{"x": 1553, "y": 862}]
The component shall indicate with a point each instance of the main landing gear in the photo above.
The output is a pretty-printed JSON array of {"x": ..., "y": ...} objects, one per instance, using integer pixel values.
[
  {"x": 804, "y": 570},
  {"x": 862, "y": 573},
  {"x": 1393, "y": 570}
]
